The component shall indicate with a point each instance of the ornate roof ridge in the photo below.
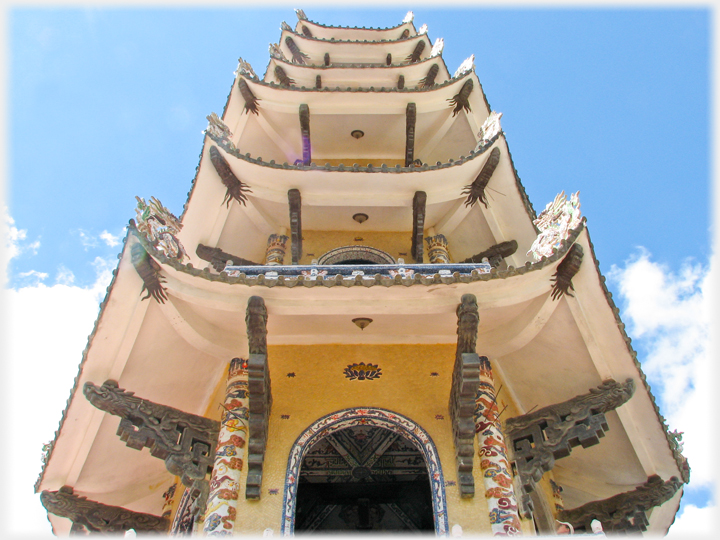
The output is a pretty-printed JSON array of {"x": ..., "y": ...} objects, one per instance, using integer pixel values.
[
  {"x": 358, "y": 27},
  {"x": 333, "y": 40}
]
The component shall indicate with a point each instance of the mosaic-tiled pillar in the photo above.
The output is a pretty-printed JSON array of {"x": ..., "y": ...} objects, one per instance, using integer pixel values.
[
  {"x": 276, "y": 246},
  {"x": 225, "y": 482},
  {"x": 438, "y": 249},
  {"x": 495, "y": 467}
]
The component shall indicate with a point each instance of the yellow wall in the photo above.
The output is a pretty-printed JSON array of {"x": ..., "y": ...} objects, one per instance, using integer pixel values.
[
  {"x": 319, "y": 387},
  {"x": 362, "y": 162},
  {"x": 318, "y": 243}
]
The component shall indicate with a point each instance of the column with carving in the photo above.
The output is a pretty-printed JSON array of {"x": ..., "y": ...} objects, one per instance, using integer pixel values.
[
  {"x": 225, "y": 483},
  {"x": 276, "y": 246},
  {"x": 437, "y": 248},
  {"x": 494, "y": 464}
]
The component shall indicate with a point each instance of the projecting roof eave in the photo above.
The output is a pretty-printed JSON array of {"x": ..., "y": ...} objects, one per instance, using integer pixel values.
[
  {"x": 410, "y": 25},
  {"x": 300, "y": 34}
]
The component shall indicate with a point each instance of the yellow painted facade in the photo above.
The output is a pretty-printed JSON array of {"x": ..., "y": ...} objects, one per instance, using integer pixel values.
[{"x": 317, "y": 243}]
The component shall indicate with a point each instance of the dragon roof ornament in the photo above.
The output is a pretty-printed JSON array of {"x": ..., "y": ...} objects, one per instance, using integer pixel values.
[
  {"x": 301, "y": 15},
  {"x": 218, "y": 130},
  {"x": 489, "y": 130},
  {"x": 244, "y": 68},
  {"x": 285, "y": 27},
  {"x": 437, "y": 47},
  {"x": 160, "y": 226},
  {"x": 467, "y": 65},
  {"x": 423, "y": 30},
  {"x": 409, "y": 17},
  {"x": 555, "y": 223},
  {"x": 276, "y": 51}
]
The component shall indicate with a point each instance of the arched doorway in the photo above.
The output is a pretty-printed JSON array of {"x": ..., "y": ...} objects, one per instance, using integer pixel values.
[
  {"x": 356, "y": 255},
  {"x": 411, "y": 497}
]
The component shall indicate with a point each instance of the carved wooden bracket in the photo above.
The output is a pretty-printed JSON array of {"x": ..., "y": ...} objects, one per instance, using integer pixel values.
[
  {"x": 298, "y": 57},
  {"x": 283, "y": 77},
  {"x": 326, "y": 59},
  {"x": 401, "y": 83},
  {"x": 251, "y": 102},
  {"x": 260, "y": 398},
  {"x": 625, "y": 512},
  {"x": 318, "y": 82},
  {"x": 295, "y": 203},
  {"x": 218, "y": 258},
  {"x": 94, "y": 517},
  {"x": 476, "y": 190},
  {"x": 466, "y": 380},
  {"x": 305, "y": 132},
  {"x": 410, "y": 117},
  {"x": 429, "y": 80},
  {"x": 419, "y": 201},
  {"x": 461, "y": 100},
  {"x": 539, "y": 438},
  {"x": 566, "y": 270},
  {"x": 149, "y": 271},
  {"x": 235, "y": 188},
  {"x": 185, "y": 441},
  {"x": 415, "y": 55},
  {"x": 306, "y": 31},
  {"x": 495, "y": 254}
]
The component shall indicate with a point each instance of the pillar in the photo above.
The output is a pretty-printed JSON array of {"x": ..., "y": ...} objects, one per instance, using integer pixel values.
[
  {"x": 276, "y": 246},
  {"x": 437, "y": 248},
  {"x": 225, "y": 482},
  {"x": 494, "y": 464}
]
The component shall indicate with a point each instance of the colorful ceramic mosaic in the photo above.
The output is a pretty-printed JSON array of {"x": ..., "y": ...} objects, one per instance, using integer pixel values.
[
  {"x": 339, "y": 420},
  {"x": 184, "y": 520},
  {"x": 276, "y": 247},
  {"x": 225, "y": 482},
  {"x": 438, "y": 249},
  {"x": 160, "y": 227},
  {"x": 362, "y": 372},
  {"x": 555, "y": 223},
  {"x": 169, "y": 497},
  {"x": 497, "y": 478}
]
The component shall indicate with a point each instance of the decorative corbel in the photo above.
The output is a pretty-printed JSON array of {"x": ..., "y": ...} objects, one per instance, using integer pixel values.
[
  {"x": 476, "y": 190},
  {"x": 149, "y": 271},
  {"x": 410, "y": 118},
  {"x": 305, "y": 133},
  {"x": 415, "y": 55},
  {"x": 95, "y": 517},
  {"x": 259, "y": 393},
  {"x": 326, "y": 59},
  {"x": 401, "y": 82},
  {"x": 538, "y": 438},
  {"x": 298, "y": 57},
  {"x": 419, "y": 201},
  {"x": 388, "y": 59},
  {"x": 566, "y": 270},
  {"x": 282, "y": 77},
  {"x": 466, "y": 379},
  {"x": 236, "y": 189},
  {"x": 318, "y": 82},
  {"x": 186, "y": 442},
  {"x": 295, "y": 203},
  {"x": 218, "y": 258},
  {"x": 251, "y": 102},
  {"x": 405, "y": 34},
  {"x": 306, "y": 31},
  {"x": 460, "y": 100},
  {"x": 429, "y": 80},
  {"x": 624, "y": 512},
  {"x": 495, "y": 254}
]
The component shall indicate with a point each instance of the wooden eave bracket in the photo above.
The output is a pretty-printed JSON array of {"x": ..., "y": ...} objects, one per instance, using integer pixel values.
[{"x": 419, "y": 201}]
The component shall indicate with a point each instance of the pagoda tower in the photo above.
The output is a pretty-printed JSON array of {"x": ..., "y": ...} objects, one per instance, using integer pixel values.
[{"x": 358, "y": 322}]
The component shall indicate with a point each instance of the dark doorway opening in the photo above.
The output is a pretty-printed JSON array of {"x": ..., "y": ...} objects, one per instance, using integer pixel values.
[{"x": 364, "y": 479}]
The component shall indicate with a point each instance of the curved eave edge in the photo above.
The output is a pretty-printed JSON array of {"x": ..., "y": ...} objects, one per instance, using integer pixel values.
[
  {"x": 680, "y": 460},
  {"x": 356, "y": 41},
  {"x": 370, "y": 89},
  {"x": 357, "y": 27},
  {"x": 101, "y": 311}
]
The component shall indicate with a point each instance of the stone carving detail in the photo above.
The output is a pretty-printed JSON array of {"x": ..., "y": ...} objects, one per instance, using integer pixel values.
[
  {"x": 625, "y": 512},
  {"x": 555, "y": 223},
  {"x": 495, "y": 254},
  {"x": 326, "y": 59},
  {"x": 467, "y": 65},
  {"x": 282, "y": 77},
  {"x": 566, "y": 270},
  {"x": 236, "y": 189},
  {"x": 285, "y": 27},
  {"x": 388, "y": 59},
  {"x": 466, "y": 378},
  {"x": 94, "y": 517},
  {"x": 318, "y": 82},
  {"x": 186, "y": 442},
  {"x": 250, "y": 99},
  {"x": 276, "y": 52},
  {"x": 415, "y": 55},
  {"x": 538, "y": 438},
  {"x": 298, "y": 57},
  {"x": 419, "y": 201},
  {"x": 401, "y": 85},
  {"x": 219, "y": 259},
  {"x": 149, "y": 271},
  {"x": 362, "y": 372},
  {"x": 305, "y": 133},
  {"x": 160, "y": 227},
  {"x": 438, "y": 249},
  {"x": 460, "y": 100},
  {"x": 218, "y": 131},
  {"x": 410, "y": 118},
  {"x": 437, "y": 47},
  {"x": 476, "y": 190},
  {"x": 429, "y": 80},
  {"x": 295, "y": 203},
  {"x": 244, "y": 68},
  {"x": 259, "y": 390},
  {"x": 301, "y": 15},
  {"x": 306, "y": 31},
  {"x": 275, "y": 252},
  {"x": 490, "y": 128}
]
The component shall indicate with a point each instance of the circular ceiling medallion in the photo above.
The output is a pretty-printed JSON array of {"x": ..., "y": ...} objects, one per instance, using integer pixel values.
[
  {"x": 357, "y": 134},
  {"x": 360, "y": 218}
]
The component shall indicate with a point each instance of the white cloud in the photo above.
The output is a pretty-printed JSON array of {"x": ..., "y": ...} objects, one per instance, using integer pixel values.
[
  {"x": 669, "y": 316},
  {"x": 87, "y": 240},
  {"x": 14, "y": 243},
  {"x": 64, "y": 276},
  {"x": 695, "y": 522},
  {"x": 110, "y": 239},
  {"x": 39, "y": 276}
]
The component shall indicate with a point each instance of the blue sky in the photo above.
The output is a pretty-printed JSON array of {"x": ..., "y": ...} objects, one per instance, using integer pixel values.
[{"x": 107, "y": 104}]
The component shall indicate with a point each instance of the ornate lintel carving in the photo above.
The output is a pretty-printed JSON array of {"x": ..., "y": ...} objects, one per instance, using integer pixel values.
[
  {"x": 540, "y": 437},
  {"x": 186, "y": 442},
  {"x": 410, "y": 117},
  {"x": 466, "y": 379},
  {"x": 260, "y": 398},
  {"x": 219, "y": 259},
  {"x": 94, "y": 517},
  {"x": 295, "y": 203},
  {"x": 419, "y": 201},
  {"x": 624, "y": 512}
]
